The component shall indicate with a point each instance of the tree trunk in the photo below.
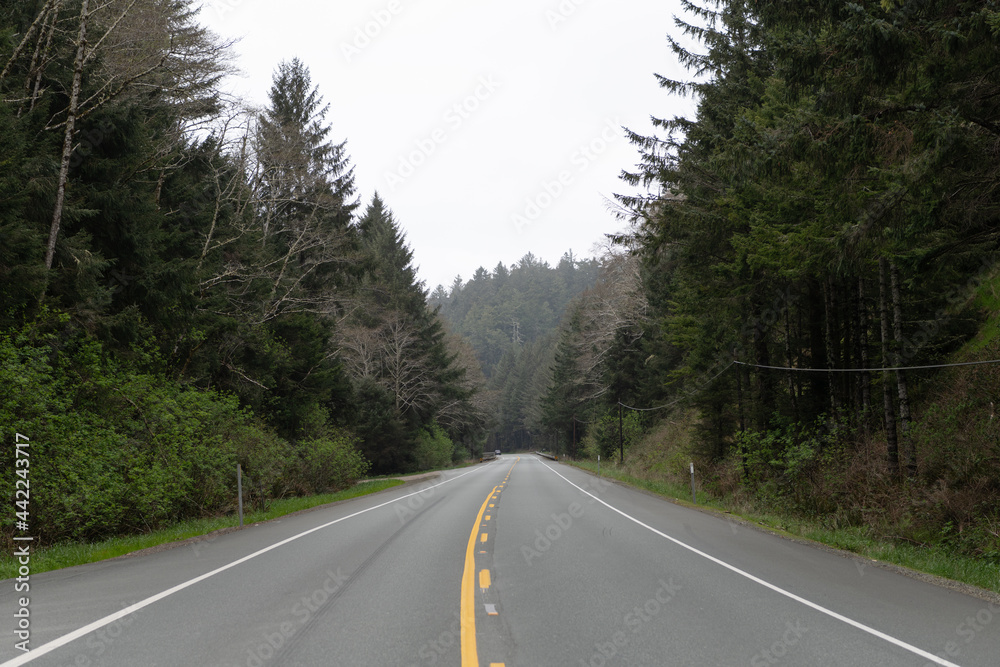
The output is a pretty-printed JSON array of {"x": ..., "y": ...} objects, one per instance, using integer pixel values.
[
  {"x": 849, "y": 348},
  {"x": 864, "y": 377},
  {"x": 739, "y": 398},
  {"x": 762, "y": 356},
  {"x": 37, "y": 24},
  {"x": 831, "y": 348},
  {"x": 819, "y": 384},
  {"x": 41, "y": 57},
  {"x": 890, "y": 412},
  {"x": 904, "y": 399},
  {"x": 67, "y": 152},
  {"x": 790, "y": 364}
]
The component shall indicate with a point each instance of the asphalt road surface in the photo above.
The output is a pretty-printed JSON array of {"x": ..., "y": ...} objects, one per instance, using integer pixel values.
[{"x": 520, "y": 561}]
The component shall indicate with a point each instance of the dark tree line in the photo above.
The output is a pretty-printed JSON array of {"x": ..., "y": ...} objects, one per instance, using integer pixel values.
[
  {"x": 829, "y": 202},
  {"x": 156, "y": 232},
  {"x": 833, "y": 205},
  {"x": 509, "y": 317}
]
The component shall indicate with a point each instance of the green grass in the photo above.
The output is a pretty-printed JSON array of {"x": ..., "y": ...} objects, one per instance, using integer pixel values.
[
  {"x": 450, "y": 466},
  {"x": 680, "y": 493},
  {"x": 63, "y": 555},
  {"x": 938, "y": 561},
  {"x": 987, "y": 299}
]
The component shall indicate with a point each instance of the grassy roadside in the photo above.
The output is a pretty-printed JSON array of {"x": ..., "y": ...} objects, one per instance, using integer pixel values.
[
  {"x": 59, "y": 556},
  {"x": 451, "y": 466},
  {"x": 929, "y": 560}
]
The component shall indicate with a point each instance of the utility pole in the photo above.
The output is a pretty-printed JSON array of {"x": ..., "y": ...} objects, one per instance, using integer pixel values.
[{"x": 573, "y": 453}]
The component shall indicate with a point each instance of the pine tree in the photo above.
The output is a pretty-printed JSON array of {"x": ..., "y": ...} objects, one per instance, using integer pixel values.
[
  {"x": 305, "y": 191},
  {"x": 394, "y": 346}
]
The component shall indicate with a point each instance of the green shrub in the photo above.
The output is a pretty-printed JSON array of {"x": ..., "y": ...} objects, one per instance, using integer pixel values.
[
  {"x": 434, "y": 449},
  {"x": 792, "y": 463},
  {"x": 325, "y": 464},
  {"x": 114, "y": 451},
  {"x": 607, "y": 436}
]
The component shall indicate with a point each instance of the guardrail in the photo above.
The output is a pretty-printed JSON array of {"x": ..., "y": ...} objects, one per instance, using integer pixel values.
[
  {"x": 551, "y": 457},
  {"x": 488, "y": 456}
]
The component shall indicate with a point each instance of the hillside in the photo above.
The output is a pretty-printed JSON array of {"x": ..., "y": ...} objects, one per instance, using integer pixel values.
[
  {"x": 832, "y": 480},
  {"x": 509, "y": 316}
]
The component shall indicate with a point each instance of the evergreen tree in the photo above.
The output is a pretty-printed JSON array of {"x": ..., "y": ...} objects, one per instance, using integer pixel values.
[
  {"x": 305, "y": 191},
  {"x": 395, "y": 348}
]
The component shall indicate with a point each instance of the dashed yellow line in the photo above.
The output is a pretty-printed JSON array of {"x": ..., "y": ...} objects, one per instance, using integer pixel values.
[
  {"x": 470, "y": 654},
  {"x": 467, "y": 612}
]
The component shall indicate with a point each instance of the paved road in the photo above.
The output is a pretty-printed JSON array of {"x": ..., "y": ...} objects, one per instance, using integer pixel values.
[{"x": 520, "y": 561}]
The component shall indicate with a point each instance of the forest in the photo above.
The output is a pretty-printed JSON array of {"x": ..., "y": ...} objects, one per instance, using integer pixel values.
[
  {"x": 188, "y": 283},
  {"x": 804, "y": 300},
  {"x": 510, "y": 318}
]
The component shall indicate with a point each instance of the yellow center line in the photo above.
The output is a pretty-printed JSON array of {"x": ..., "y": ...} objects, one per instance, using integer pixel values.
[
  {"x": 467, "y": 611},
  {"x": 470, "y": 654}
]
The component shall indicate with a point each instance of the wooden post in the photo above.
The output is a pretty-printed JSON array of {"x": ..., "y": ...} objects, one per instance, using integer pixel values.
[{"x": 239, "y": 490}]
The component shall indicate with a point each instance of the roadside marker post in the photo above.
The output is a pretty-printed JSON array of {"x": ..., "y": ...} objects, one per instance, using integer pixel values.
[
  {"x": 239, "y": 491},
  {"x": 694, "y": 498}
]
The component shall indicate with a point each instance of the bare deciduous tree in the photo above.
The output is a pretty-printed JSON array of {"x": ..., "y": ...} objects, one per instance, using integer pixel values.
[
  {"x": 386, "y": 350},
  {"x": 615, "y": 307},
  {"x": 139, "y": 45}
]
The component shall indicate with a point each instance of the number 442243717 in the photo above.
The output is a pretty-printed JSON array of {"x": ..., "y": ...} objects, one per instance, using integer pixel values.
[{"x": 22, "y": 463}]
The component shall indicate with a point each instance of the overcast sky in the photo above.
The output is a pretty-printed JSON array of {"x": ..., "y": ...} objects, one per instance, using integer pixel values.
[{"x": 491, "y": 129}]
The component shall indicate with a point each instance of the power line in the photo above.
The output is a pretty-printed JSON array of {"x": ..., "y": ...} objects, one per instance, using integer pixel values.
[
  {"x": 680, "y": 398},
  {"x": 802, "y": 370},
  {"x": 866, "y": 370}
]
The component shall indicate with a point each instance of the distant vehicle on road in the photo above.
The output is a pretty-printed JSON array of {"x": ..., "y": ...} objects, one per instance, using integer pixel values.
[{"x": 498, "y": 452}]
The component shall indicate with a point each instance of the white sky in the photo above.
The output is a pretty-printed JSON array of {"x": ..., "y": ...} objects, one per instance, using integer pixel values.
[{"x": 490, "y": 129}]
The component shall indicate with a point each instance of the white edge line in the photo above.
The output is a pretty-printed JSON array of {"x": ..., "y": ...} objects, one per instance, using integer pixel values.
[
  {"x": 840, "y": 617},
  {"x": 87, "y": 629}
]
